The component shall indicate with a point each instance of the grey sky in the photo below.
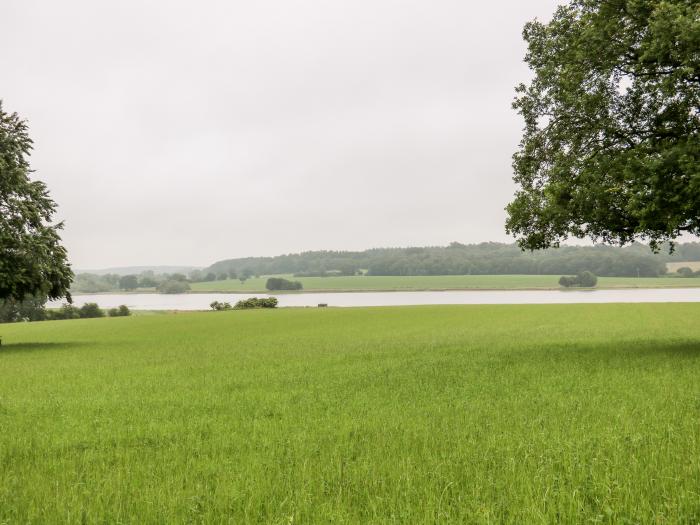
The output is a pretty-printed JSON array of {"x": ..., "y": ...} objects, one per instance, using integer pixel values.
[{"x": 186, "y": 132}]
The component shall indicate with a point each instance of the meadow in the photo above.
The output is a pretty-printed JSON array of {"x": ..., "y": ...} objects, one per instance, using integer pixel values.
[
  {"x": 449, "y": 414},
  {"x": 358, "y": 283}
]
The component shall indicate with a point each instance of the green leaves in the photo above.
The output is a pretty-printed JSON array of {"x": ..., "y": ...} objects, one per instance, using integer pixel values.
[
  {"x": 32, "y": 260},
  {"x": 611, "y": 145}
]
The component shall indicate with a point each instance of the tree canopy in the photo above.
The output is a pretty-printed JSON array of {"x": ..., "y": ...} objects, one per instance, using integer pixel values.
[
  {"x": 32, "y": 260},
  {"x": 611, "y": 149}
]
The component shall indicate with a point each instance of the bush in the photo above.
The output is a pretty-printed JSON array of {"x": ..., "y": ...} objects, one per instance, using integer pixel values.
[
  {"x": 567, "y": 281},
  {"x": 67, "y": 311},
  {"x": 173, "y": 286},
  {"x": 277, "y": 283},
  {"x": 216, "y": 305},
  {"x": 121, "y": 311},
  {"x": 31, "y": 309},
  {"x": 90, "y": 310},
  {"x": 584, "y": 279},
  {"x": 685, "y": 272},
  {"x": 587, "y": 279},
  {"x": 254, "y": 302}
]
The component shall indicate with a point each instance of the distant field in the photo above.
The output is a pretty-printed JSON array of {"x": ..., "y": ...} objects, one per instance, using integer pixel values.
[
  {"x": 673, "y": 266},
  {"x": 467, "y": 414},
  {"x": 439, "y": 282}
]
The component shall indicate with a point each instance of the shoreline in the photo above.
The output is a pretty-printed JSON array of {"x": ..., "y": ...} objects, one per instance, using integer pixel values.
[{"x": 389, "y": 290}]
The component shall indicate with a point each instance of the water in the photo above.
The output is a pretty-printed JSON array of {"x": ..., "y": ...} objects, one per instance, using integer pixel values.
[{"x": 200, "y": 301}]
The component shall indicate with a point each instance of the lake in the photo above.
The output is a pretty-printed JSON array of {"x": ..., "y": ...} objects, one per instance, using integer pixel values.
[{"x": 200, "y": 301}]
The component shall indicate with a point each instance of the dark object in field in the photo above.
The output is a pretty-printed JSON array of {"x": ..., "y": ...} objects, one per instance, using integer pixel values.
[
  {"x": 278, "y": 283},
  {"x": 582, "y": 280},
  {"x": 322, "y": 305},
  {"x": 254, "y": 302}
]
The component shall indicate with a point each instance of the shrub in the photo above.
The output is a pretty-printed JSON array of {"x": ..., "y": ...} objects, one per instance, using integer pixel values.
[
  {"x": 67, "y": 311},
  {"x": 254, "y": 302},
  {"x": 216, "y": 305},
  {"x": 121, "y": 311},
  {"x": 90, "y": 310},
  {"x": 567, "y": 281},
  {"x": 172, "y": 286},
  {"x": 587, "y": 279},
  {"x": 685, "y": 272},
  {"x": 277, "y": 283},
  {"x": 584, "y": 279}
]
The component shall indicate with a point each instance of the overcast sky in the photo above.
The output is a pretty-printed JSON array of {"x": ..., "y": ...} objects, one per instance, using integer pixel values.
[{"x": 187, "y": 132}]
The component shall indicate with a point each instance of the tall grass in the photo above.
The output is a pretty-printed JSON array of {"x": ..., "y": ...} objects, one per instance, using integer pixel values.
[{"x": 485, "y": 414}]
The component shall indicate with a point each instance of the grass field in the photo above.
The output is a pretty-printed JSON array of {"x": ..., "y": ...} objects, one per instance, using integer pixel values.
[
  {"x": 467, "y": 414},
  {"x": 439, "y": 282}
]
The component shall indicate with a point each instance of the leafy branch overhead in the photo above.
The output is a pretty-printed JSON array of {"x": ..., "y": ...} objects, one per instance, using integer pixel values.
[
  {"x": 611, "y": 144},
  {"x": 32, "y": 260}
]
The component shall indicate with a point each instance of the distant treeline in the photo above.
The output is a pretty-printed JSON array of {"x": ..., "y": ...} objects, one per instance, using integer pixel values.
[{"x": 465, "y": 259}]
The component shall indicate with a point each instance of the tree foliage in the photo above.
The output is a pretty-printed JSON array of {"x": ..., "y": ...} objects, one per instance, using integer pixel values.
[
  {"x": 128, "y": 282},
  {"x": 611, "y": 149},
  {"x": 255, "y": 302},
  {"x": 33, "y": 262},
  {"x": 584, "y": 279},
  {"x": 477, "y": 259},
  {"x": 278, "y": 283}
]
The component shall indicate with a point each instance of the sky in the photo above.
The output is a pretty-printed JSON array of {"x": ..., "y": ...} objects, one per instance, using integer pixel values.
[{"x": 173, "y": 132}]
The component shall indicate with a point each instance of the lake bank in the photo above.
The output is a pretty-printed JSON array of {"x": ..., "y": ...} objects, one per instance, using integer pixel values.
[
  {"x": 425, "y": 283},
  {"x": 201, "y": 301}
]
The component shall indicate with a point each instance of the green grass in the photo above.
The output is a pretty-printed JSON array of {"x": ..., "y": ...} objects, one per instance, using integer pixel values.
[
  {"x": 438, "y": 282},
  {"x": 451, "y": 414}
]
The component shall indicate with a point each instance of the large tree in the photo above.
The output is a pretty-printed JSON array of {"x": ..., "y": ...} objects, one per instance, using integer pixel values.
[
  {"x": 32, "y": 260},
  {"x": 611, "y": 144}
]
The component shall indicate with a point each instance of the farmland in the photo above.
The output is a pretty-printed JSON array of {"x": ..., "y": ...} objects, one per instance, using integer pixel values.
[
  {"x": 520, "y": 414},
  {"x": 358, "y": 283}
]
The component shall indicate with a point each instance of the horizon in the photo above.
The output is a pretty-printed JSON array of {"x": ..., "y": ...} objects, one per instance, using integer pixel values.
[{"x": 179, "y": 267}]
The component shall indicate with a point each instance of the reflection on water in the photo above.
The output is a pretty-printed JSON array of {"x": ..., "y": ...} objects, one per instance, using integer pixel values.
[{"x": 201, "y": 301}]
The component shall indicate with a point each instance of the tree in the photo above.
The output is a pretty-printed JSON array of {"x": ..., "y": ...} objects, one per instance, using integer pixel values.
[
  {"x": 611, "y": 144},
  {"x": 128, "y": 282},
  {"x": 245, "y": 274},
  {"x": 33, "y": 263},
  {"x": 172, "y": 286},
  {"x": 278, "y": 283}
]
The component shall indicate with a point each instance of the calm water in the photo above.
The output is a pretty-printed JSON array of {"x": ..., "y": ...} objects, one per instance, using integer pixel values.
[{"x": 201, "y": 301}]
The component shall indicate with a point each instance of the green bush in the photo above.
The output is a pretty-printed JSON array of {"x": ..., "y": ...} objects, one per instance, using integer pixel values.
[
  {"x": 91, "y": 310},
  {"x": 278, "y": 283},
  {"x": 685, "y": 272},
  {"x": 121, "y": 311},
  {"x": 584, "y": 279},
  {"x": 254, "y": 302},
  {"x": 216, "y": 305}
]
